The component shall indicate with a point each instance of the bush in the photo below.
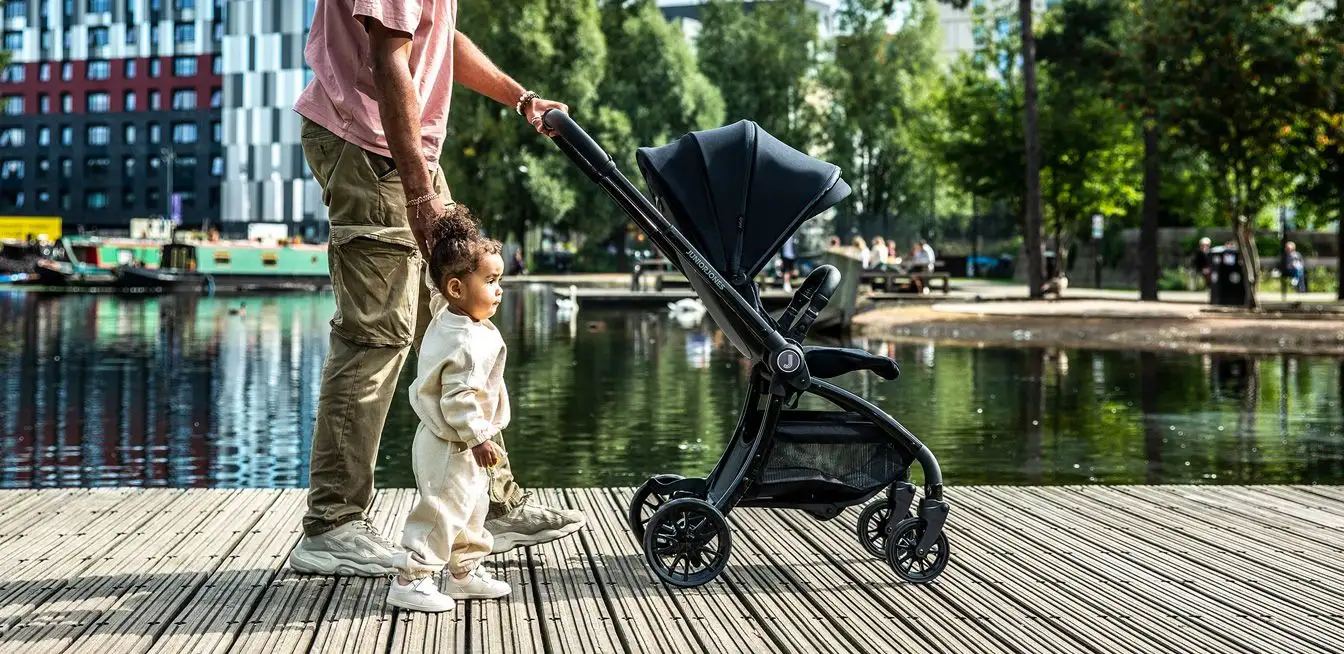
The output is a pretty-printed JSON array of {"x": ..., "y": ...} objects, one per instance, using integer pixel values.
[{"x": 1174, "y": 279}]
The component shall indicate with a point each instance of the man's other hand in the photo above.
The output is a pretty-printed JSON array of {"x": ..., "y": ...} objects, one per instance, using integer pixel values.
[{"x": 538, "y": 108}]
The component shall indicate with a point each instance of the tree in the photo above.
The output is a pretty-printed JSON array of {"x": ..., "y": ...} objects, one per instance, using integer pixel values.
[
  {"x": 763, "y": 63},
  {"x": 1032, "y": 218},
  {"x": 651, "y": 93},
  {"x": 494, "y": 161},
  {"x": 1319, "y": 138},
  {"x": 881, "y": 85},
  {"x": 1237, "y": 63}
]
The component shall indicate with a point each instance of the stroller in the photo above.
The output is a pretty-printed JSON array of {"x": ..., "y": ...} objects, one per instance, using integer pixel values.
[{"x": 727, "y": 200}]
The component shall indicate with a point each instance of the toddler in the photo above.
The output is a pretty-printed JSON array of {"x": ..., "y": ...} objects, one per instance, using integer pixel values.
[{"x": 459, "y": 395}]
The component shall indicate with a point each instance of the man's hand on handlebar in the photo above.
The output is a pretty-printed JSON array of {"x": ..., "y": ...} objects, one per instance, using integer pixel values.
[{"x": 536, "y": 108}]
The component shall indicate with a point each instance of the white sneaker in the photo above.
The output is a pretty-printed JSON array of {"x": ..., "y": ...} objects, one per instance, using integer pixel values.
[
  {"x": 420, "y": 595},
  {"x": 352, "y": 549},
  {"x": 479, "y": 584},
  {"x": 532, "y": 524}
]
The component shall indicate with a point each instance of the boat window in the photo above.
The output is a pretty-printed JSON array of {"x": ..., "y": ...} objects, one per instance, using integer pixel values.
[
  {"x": 221, "y": 257},
  {"x": 269, "y": 259}
]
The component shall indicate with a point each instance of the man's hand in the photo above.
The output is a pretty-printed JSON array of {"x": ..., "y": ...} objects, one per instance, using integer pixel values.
[
  {"x": 485, "y": 454},
  {"x": 536, "y": 110},
  {"x": 421, "y": 218}
]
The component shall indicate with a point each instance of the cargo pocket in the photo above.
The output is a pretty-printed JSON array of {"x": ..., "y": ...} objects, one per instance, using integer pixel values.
[{"x": 375, "y": 276}]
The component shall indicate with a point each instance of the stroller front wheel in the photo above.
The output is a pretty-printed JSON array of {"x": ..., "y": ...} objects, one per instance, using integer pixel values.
[
  {"x": 903, "y": 540},
  {"x": 872, "y": 528},
  {"x": 687, "y": 542}
]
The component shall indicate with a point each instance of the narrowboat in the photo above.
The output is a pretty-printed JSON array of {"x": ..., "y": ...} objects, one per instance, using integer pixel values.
[
  {"x": 90, "y": 262},
  {"x": 230, "y": 266}
]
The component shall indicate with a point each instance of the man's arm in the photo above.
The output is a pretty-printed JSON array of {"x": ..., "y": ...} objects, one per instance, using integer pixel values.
[
  {"x": 399, "y": 107},
  {"x": 474, "y": 70}
]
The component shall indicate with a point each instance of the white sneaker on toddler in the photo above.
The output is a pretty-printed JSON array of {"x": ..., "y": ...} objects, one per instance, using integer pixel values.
[
  {"x": 478, "y": 584},
  {"x": 420, "y": 595}
]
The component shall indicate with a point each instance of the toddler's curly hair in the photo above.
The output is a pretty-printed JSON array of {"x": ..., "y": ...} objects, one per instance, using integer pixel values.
[{"x": 458, "y": 244}]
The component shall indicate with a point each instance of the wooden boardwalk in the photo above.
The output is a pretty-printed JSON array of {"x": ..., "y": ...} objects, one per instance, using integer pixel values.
[{"x": 1076, "y": 569}]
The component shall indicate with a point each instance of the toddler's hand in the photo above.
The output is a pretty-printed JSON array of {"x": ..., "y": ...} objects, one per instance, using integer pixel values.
[{"x": 485, "y": 454}]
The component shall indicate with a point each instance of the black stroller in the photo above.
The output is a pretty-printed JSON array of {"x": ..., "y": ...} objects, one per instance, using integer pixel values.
[{"x": 729, "y": 197}]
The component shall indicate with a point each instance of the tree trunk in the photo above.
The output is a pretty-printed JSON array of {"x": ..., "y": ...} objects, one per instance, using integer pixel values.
[
  {"x": 1032, "y": 226},
  {"x": 1339, "y": 252},
  {"x": 1149, "y": 268},
  {"x": 1250, "y": 261},
  {"x": 622, "y": 257}
]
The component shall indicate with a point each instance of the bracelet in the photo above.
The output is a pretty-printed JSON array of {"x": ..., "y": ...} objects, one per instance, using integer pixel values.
[
  {"x": 423, "y": 199},
  {"x": 524, "y": 99}
]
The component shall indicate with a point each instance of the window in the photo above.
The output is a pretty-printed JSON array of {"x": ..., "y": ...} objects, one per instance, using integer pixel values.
[
  {"x": 11, "y": 169},
  {"x": 99, "y": 102},
  {"x": 217, "y": 166},
  {"x": 44, "y": 197},
  {"x": 43, "y": 165},
  {"x": 184, "y": 67},
  {"x": 67, "y": 103},
  {"x": 65, "y": 40},
  {"x": 65, "y": 200},
  {"x": 69, "y": 9},
  {"x": 13, "y": 41},
  {"x": 130, "y": 135},
  {"x": 184, "y": 132},
  {"x": 217, "y": 131},
  {"x": 67, "y": 71},
  {"x": 95, "y": 199},
  {"x": 154, "y": 135},
  {"x": 11, "y": 137},
  {"x": 67, "y": 168},
  {"x": 128, "y": 167},
  {"x": 184, "y": 33},
  {"x": 43, "y": 103},
  {"x": 127, "y": 198},
  {"x": 216, "y": 98},
  {"x": 44, "y": 72},
  {"x": 100, "y": 6},
  {"x": 67, "y": 135},
  {"x": 184, "y": 99},
  {"x": 13, "y": 105},
  {"x": 128, "y": 104},
  {"x": 130, "y": 69},
  {"x": 131, "y": 29},
  {"x": 218, "y": 32},
  {"x": 184, "y": 4},
  {"x": 185, "y": 162},
  {"x": 155, "y": 67},
  {"x": 155, "y": 5},
  {"x": 155, "y": 100},
  {"x": 98, "y": 70},
  {"x": 99, "y": 134},
  {"x": 217, "y": 65},
  {"x": 46, "y": 39},
  {"x": 97, "y": 165},
  {"x": 152, "y": 197},
  {"x": 15, "y": 72},
  {"x": 44, "y": 136},
  {"x": 16, "y": 9},
  {"x": 98, "y": 37}
]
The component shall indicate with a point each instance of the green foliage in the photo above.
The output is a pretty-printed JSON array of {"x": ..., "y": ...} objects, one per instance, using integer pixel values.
[
  {"x": 764, "y": 64},
  {"x": 880, "y": 86}
]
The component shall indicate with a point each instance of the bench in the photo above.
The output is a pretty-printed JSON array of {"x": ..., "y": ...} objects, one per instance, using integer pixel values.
[{"x": 889, "y": 279}]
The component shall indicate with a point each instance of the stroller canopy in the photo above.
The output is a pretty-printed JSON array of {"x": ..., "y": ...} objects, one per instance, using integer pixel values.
[{"x": 737, "y": 193}]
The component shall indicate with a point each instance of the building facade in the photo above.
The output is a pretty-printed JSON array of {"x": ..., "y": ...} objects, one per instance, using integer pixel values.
[{"x": 111, "y": 109}]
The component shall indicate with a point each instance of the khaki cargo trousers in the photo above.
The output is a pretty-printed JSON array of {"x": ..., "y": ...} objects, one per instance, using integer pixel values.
[{"x": 382, "y": 309}]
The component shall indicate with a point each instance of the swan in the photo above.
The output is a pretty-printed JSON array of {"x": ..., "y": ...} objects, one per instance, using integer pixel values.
[
  {"x": 566, "y": 307},
  {"x": 689, "y": 305}
]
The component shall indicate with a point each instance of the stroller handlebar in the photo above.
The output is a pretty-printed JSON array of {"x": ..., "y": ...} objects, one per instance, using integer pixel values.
[{"x": 576, "y": 143}]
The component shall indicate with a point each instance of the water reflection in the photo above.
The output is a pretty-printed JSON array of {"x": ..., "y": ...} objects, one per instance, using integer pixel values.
[{"x": 101, "y": 390}]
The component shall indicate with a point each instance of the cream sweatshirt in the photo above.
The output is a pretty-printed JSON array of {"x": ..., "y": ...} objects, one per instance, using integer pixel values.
[{"x": 458, "y": 392}]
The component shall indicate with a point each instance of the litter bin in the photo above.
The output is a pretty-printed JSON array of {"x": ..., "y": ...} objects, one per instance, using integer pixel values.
[{"x": 1226, "y": 287}]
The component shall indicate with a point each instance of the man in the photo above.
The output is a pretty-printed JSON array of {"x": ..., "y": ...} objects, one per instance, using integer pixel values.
[
  {"x": 1202, "y": 262},
  {"x": 929, "y": 257},
  {"x": 374, "y": 122}
]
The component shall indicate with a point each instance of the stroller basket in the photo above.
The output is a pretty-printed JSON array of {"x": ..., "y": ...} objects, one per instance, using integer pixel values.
[{"x": 829, "y": 457}]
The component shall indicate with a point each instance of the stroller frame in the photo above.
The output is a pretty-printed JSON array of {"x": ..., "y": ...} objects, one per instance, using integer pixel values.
[{"x": 684, "y": 519}]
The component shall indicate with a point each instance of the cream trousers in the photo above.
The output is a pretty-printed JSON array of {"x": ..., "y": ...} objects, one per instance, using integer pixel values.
[{"x": 446, "y": 528}]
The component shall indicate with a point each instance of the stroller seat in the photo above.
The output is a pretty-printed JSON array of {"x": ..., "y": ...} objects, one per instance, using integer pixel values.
[
  {"x": 724, "y": 201},
  {"x": 828, "y": 362}
]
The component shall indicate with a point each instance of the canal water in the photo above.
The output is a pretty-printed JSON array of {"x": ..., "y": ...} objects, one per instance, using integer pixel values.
[{"x": 221, "y": 392}]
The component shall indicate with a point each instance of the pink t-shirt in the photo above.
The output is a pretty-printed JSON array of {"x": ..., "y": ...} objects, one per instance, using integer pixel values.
[{"x": 342, "y": 97}]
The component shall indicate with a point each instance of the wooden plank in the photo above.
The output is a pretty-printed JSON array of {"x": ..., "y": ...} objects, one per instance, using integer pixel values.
[
  {"x": 127, "y": 569},
  {"x": 1173, "y": 565},
  {"x": 77, "y": 538},
  {"x": 288, "y": 614},
  {"x": 172, "y": 579},
  {"x": 213, "y": 618},
  {"x": 717, "y": 612},
  {"x": 644, "y": 609},
  {"x": 575, "y": 613}
]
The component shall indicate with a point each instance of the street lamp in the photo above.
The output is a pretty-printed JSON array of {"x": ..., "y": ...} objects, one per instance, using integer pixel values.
[{"x": 167, "y": 156}]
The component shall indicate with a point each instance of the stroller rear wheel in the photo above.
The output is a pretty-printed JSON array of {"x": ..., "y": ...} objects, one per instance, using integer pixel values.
[
  {"x": 873, "y": 523},
  {"x": 645, "y": 502},
  {"x": 687, "y": 542},
  {"x": 903, "y": 540}
]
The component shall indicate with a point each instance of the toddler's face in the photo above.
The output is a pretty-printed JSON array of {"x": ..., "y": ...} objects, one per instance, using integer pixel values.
[{"x": 478, "y": 294}]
